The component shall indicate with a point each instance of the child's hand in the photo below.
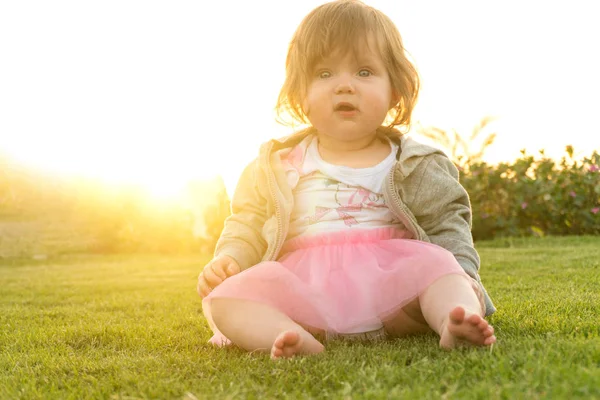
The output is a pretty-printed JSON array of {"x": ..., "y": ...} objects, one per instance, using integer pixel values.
[{"x": 215, "y": 272}]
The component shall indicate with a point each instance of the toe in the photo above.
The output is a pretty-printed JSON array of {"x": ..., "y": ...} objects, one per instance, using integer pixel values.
[
  {"x": 279, "y": 341},
  {"x": 276, "y": 353},
  {"x": 475, "y": 320},
  {"x": 490, "y": 340},
  {"x": 289, "y": 339},
  {"x": 483, "y": 324},
  {"x": 457, "y": 315}
]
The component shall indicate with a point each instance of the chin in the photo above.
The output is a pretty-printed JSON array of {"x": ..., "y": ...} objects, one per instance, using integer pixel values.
[{"x": 346, "y": 136}]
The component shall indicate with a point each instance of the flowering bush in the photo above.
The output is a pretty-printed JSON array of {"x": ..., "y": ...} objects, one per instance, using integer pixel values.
[
  {"x": 40, "y": 215},
  {"x": 535, "y": 196}
]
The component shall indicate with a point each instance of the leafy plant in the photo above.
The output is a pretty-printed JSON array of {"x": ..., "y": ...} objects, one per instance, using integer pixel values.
[
  {"x": 535, "y": 196},
  {"x": 461, "y": 149}
]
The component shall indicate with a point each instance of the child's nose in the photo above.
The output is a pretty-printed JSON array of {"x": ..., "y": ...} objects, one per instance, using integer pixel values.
[{"x": 344, "y": 84}]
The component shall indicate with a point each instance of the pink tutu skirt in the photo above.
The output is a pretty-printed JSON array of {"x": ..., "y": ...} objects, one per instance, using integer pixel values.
[{"x": 342, "y": 282}]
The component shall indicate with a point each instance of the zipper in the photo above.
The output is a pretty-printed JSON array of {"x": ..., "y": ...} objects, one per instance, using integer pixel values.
[
  {"x": 397, "y": 207},
  {"x": 278, "y": 209}
]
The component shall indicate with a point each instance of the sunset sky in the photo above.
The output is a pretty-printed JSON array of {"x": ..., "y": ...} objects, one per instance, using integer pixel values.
[{"x": 158, "y": 93}]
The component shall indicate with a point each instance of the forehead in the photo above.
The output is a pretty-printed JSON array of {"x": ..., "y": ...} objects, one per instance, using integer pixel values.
[
  {"x": 363, "y": 50},
  {"x": 358, "y": 56}
]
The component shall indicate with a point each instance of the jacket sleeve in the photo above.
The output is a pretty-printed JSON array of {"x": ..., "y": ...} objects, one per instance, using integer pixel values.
[
  {"x": 241, "y": 238},
  {"x": 442, "y": 208}
]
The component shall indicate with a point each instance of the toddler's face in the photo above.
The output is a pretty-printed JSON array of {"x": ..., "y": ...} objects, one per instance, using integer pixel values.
[{"x": 349, "y": 95}]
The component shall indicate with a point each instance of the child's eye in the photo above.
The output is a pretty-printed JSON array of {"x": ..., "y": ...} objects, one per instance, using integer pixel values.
[
  {"x": 364, "y": 73},
  {"x": 324, "y": 74}
]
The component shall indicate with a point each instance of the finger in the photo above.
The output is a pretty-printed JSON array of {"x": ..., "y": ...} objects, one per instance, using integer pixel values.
[
  {"x": 211, "y": 278},
  {"x": 203, "y": 288},
  {"x": 218, "y": 268},
  {"x": 232, "y": 269}
]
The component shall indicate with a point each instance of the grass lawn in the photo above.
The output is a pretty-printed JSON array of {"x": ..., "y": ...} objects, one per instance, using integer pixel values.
[{"x": 131, "y": 327}]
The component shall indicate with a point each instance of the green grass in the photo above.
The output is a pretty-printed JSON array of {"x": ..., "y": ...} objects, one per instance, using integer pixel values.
[{"x": 129, "y": 327}]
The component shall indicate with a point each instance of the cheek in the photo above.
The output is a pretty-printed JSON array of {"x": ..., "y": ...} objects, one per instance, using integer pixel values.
[
  {"x": 311, "y": 100},
  {"x": 388, "y": 101},
  {"x": 380, "y": 103}
]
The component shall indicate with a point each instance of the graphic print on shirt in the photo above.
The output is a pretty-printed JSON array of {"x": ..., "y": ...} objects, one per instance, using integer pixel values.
[
  {"x": 350, "y": 199},
  {"x": 327, "y": 197}
]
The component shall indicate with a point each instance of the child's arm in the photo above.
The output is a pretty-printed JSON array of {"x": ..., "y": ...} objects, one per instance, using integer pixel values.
[
  {"x": 241, "y": 238},
  {"x": 442, "y": 208}
]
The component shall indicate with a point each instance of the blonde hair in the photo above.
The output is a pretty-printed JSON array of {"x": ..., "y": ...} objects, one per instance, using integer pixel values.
[{"x": 344, "y": 25}]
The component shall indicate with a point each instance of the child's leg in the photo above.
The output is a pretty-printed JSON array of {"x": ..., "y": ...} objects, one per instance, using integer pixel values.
[
  {"x": 407, "y": 321},
  {"x": 452, "y": 309},
  {"x": 259, "y": 327}
]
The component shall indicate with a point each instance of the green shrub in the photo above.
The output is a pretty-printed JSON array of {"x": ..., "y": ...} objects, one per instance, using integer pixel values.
[
  {"x": 535, "y": 196},
  {"x": 42, "y": 215}
]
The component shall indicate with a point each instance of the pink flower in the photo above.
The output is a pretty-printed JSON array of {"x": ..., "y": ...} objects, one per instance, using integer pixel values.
[
  {"x": 523, "y": 205},
  {"x": 595, "y": 210},
  {"x": 594, "y": 168},
  {"x": 573, "y": 194}
]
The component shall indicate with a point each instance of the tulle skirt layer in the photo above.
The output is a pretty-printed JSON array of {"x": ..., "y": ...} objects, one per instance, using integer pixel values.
[{"x": 342, "y": 282}]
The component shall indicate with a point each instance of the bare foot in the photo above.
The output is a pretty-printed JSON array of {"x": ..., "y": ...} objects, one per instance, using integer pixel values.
[
  {"x": 466, "y": 327},
  {"x": 289, "y": 343}
]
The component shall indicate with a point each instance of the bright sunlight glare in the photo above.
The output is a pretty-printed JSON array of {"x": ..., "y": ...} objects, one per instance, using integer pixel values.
[{"x": 163, "y": 93}]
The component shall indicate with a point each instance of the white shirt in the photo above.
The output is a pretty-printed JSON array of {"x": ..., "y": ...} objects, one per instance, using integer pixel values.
[{"x": 330, "y": 198}]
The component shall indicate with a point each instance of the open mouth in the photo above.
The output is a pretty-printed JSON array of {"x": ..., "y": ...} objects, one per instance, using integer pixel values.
[{"x": 345, "y": 107}]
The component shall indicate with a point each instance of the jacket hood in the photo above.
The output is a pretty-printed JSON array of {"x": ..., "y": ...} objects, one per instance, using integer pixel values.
[{"x": 410, "y": 154}]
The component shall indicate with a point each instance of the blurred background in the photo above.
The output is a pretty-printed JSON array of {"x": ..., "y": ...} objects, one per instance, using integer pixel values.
[{"x": 123, "y": 122}]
